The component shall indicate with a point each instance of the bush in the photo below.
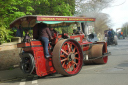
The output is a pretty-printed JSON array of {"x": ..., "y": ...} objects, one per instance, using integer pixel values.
[{"x": 5, "y": 35}]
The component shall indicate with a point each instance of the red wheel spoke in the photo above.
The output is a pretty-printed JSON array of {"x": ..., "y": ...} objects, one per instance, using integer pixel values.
[
  {"x": 76, "y": 58},
  {"x": 74, "y": 67},
  {"x": 64, "y": 59},
  {"x": 76, "y": 53},
  {"x": 74, "y": 62},
  {"x": 63, "y": 64},
  {"x": 64, "y": 47},
  {"x": 64, "y": 52},
  {"x": 62, "y": 56},
  {"x": 74, "y": 50},
  {"x": 69, "y": 47},
  {"x": 68, "y": 66}
]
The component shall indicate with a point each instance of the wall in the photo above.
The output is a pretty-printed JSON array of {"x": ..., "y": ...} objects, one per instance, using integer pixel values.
[{"x": 9, "y": 56}]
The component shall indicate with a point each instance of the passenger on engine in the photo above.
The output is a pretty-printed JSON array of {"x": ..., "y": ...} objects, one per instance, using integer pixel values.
[{"x": 44, "y": 36}]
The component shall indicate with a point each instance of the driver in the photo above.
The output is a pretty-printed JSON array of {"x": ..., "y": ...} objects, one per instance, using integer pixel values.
[{"x": 44, "y": 36}]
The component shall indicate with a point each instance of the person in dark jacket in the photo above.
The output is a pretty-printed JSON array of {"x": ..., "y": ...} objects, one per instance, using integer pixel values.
[
  {"x": 44, "y": 36},
  {"x": 112, "y": 32},
  {"x": 19, "y": 32},
  {"x": 109, "y": 33}
]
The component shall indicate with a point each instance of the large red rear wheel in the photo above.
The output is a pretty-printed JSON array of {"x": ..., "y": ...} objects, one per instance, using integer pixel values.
[{"x": 67, "y": 57}]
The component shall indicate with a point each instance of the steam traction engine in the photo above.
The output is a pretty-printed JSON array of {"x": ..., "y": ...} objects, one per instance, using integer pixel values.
[{"x": 68, "y": 52}]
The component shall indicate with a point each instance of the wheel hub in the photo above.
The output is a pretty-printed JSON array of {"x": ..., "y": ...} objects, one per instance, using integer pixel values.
[{"x": 71, "y": 56}]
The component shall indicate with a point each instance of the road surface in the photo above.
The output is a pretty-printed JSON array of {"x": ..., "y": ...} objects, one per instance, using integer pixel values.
[{"x": 115, "y": 72}]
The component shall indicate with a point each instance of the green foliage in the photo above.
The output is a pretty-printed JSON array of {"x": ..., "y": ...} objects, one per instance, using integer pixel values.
[
  {"x": 5, "y": 34},
  {"x": 125, "y": 31},
  {"x": 59, "y": 30},
  {"x": 12, "y": 9},
  {"x": 55, "y": 7},
  {"x": 68, "y": 29}
]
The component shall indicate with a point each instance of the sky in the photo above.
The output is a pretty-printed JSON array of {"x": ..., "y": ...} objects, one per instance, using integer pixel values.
[{"x": 118, "y": 12}]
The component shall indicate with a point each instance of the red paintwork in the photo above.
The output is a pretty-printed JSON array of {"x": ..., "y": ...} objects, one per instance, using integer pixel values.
[
  {"x": 19, "y": 45},
  {"x": 44, "y": 66},
  {"x": 79, "y": 38},
  {"x": 57, "y": 38},
  {"x": 37, "y": 43},
  {"x": 63, "y": 18},
  {"x": 84, "y": 44},
  {"x": 29, "y": 18}
]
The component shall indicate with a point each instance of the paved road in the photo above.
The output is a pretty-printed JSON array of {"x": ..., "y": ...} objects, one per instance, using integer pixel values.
[{"x": 115, "y": 72}]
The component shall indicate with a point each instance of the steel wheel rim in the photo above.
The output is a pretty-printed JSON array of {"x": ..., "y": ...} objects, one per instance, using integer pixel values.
[
  {"x": 70, "y": 58},
  {"x": 27, "y": 64}
]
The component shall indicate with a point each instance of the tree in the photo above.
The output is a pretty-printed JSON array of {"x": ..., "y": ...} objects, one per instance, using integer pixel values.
[
  {"x": 124, "y": 29},
  {"x": 84, "y": 6},
  {"x": 102, "y": 23},
  {"x": 93, "y": 8},
  {"x": 12, "y": 9},
  {"x": 55, "y": 7}
]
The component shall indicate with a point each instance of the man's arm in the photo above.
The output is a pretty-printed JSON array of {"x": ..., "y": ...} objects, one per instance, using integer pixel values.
[{"x": 49, "y": 33}]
